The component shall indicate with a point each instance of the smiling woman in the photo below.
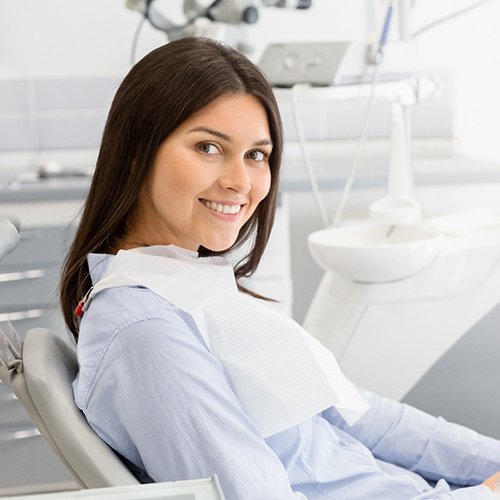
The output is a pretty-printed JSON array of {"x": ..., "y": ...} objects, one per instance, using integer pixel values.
[
  {"x": 184, "y": 373},
  {"x": 207, "y": 178}
]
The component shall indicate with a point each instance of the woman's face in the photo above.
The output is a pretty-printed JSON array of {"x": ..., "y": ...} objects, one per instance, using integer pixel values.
[{"x": 208, "y": 177}]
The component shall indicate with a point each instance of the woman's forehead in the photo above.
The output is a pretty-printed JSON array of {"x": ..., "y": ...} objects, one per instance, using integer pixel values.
[{"x": 231, "y": 114}]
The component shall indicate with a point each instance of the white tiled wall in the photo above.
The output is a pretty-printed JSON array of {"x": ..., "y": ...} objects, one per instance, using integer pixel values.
[
  {"x": 64, "y": 113},
  {"x": 70, "y": 112}
]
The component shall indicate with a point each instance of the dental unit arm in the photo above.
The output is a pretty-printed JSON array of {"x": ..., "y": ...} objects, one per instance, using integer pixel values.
[{"x": 209, "y": 18}]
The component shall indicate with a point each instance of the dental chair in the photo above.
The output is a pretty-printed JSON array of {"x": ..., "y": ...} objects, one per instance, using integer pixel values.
[{"x": 40, "y": 371}]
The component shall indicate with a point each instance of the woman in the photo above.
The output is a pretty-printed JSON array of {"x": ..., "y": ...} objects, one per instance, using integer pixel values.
[{"x": 174, "y": 371}]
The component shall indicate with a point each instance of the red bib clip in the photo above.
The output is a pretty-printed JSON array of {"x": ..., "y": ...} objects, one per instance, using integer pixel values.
[{"x": 81, "y": 307}]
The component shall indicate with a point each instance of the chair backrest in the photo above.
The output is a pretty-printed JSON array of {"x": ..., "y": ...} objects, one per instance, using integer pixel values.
[{"x": 44, "y": 387}]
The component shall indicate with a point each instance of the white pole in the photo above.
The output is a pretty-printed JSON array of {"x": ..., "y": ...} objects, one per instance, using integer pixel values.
[{"x": 404, "y": 20}]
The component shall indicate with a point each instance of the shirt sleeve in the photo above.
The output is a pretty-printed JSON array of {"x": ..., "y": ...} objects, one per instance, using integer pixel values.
[
  {"x": 400, "y": 434},
  {"x": 171, "y": 411}
]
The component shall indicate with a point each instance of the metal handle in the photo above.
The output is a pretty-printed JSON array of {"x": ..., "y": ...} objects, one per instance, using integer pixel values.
[
  {"x": 7, "y": 396},
  {"x": 30, "y": 234},
  {"x": 26, "y": 433},
  {"x": 20, "y": 315},
  {"x": 23, "y": 275}
]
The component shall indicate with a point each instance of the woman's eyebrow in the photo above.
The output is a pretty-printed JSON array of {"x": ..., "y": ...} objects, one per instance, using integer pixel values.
[
  {"x": 263, "y": 142},
  {"x": 211, "y": 131},
  {"x": 227, "y": 138}
]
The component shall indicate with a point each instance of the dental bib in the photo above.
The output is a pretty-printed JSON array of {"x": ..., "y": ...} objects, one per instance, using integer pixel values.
[{"x": 280, "y": 373}]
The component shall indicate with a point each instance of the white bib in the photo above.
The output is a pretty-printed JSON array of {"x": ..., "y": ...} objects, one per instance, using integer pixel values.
[{"x": 280, "y": 373}]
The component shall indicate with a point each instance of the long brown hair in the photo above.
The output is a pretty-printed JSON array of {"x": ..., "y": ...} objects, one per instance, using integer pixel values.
[{"x": 159, "y": 93}]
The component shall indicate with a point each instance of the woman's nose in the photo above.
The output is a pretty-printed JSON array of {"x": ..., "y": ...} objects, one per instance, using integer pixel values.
[{"x": 235, "y": 177}]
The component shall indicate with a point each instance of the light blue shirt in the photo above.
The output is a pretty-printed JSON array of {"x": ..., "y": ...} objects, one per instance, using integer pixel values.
[{"x": 150, "y": 387}]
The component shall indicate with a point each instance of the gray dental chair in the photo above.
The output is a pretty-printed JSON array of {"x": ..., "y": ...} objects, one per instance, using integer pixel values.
[{"x": 40, "y": 371}]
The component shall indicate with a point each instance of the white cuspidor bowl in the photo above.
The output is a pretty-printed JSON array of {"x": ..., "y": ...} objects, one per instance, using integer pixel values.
[{"x": 375, "y": 253}]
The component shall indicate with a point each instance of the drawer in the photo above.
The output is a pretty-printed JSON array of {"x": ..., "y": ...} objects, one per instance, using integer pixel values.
[
  {"x": 44, "y": 244},
  {"x": 28, "y": 460},
  {"x": 14, "y": 431},
  {"x": 19, "y": 441},
  {"x": 13, "y": 416},
  {"x": 24, "y": 287},
  {"x": 25, "y": 319}
]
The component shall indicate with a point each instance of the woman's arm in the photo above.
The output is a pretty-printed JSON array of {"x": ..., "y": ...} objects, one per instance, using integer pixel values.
[{"x": 400, "y": 434}]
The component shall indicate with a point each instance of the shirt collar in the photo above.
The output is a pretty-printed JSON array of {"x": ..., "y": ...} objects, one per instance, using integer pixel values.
[{"x": 98, "y": 263}]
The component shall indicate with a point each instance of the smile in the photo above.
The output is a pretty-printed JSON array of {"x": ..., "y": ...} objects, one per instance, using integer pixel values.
[{"x": 222, "y": 209}]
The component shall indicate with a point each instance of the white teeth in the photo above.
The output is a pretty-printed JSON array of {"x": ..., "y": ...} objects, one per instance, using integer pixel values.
[{"x": 223, "y": 209}]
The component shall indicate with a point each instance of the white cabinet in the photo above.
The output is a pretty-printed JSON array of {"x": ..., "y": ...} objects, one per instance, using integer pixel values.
[{"x": 28, "y": 298}]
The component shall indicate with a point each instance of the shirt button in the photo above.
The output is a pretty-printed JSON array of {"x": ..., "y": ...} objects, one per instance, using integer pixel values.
[{"x": 342, "y": 444}]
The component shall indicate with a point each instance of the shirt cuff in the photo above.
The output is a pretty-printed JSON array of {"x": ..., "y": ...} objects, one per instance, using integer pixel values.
[{"x": 442, "y": 492}]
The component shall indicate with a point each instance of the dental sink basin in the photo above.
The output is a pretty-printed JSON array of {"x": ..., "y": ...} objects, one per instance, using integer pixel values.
[{"x": 375, "y": 253}]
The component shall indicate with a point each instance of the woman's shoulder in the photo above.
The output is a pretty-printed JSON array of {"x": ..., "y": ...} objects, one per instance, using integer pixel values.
[
  {"x": 114, "y": 308},
  {"x": 128, "y": 317},
  {"x": 115, "y": 312}
]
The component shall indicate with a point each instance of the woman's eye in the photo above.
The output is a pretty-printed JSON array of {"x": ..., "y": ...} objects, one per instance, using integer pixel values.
[
  {"x": 257, "y": 155},
  {"x": 208, "y": 148}
]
